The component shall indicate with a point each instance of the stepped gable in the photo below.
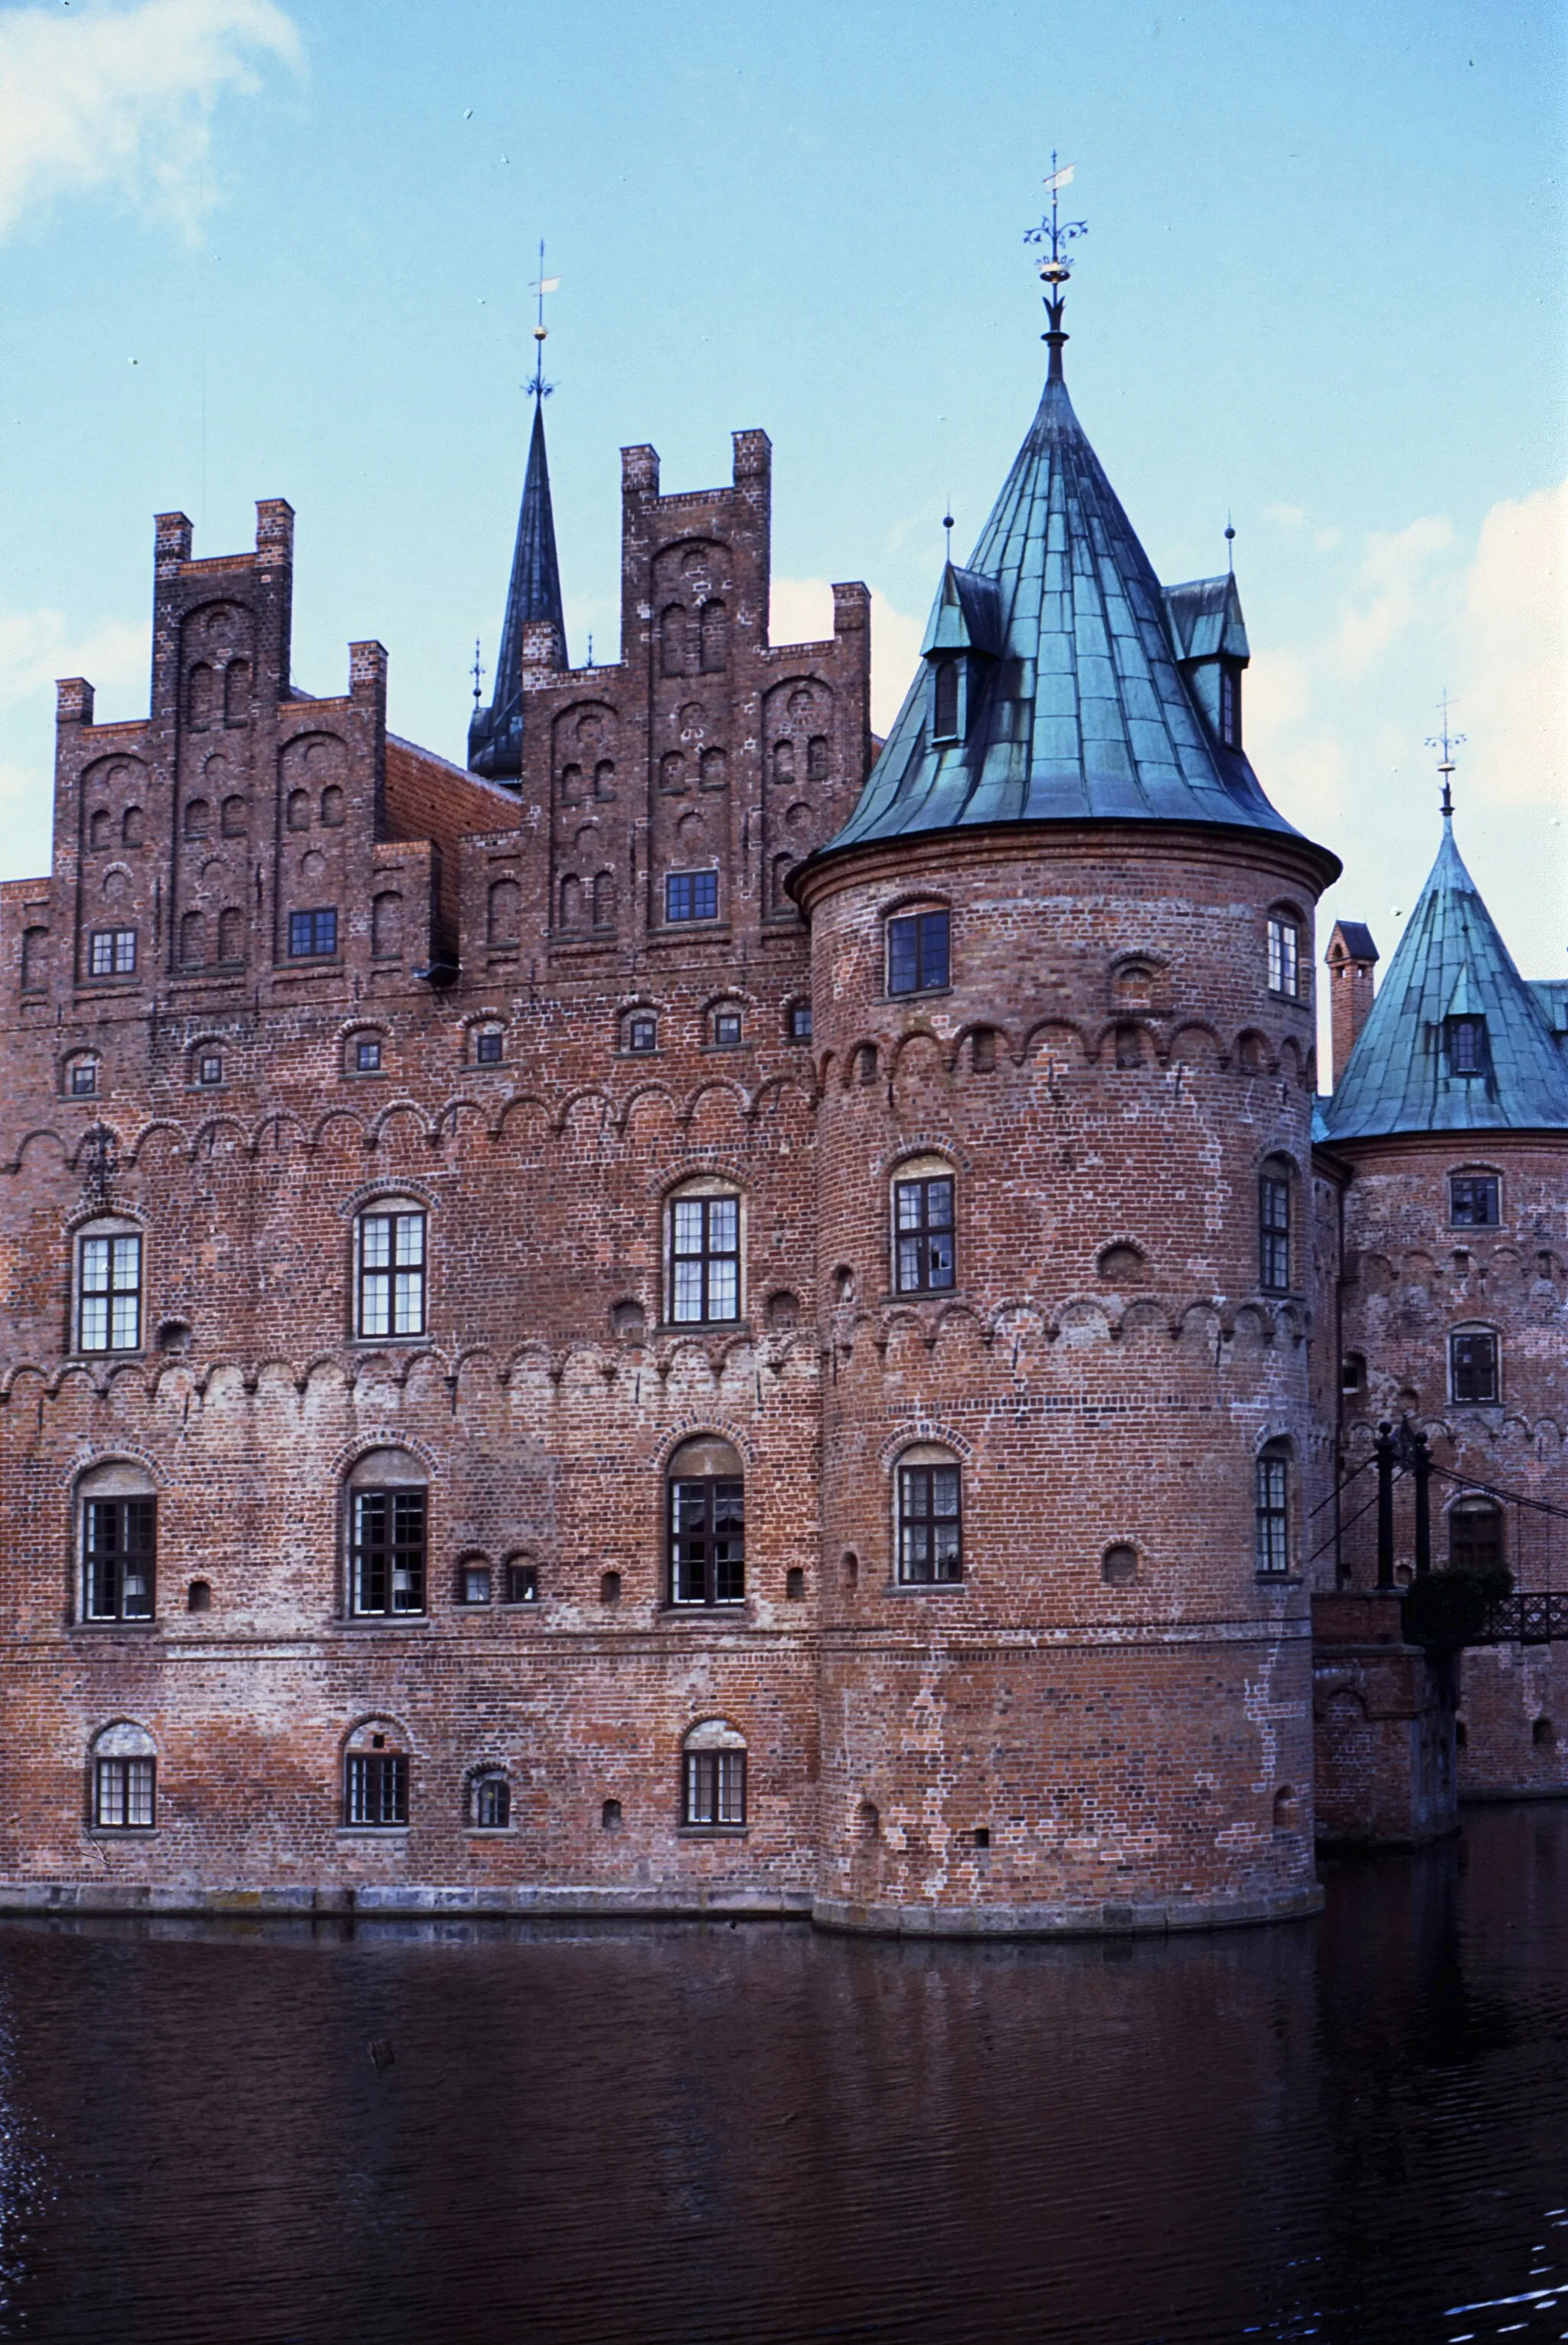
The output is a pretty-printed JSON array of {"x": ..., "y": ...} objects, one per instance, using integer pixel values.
[
  {"x": 1092, "y": 691},
  {"x": 1452, "y": 965},
  {"x": 533, "y": 602}
]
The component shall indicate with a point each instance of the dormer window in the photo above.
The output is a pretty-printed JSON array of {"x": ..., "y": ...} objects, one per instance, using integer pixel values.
[
  {"x": 1465, "y": 1045},
  {"x": 1230, "y": 707},
  {"x": 945, "y": 700}
]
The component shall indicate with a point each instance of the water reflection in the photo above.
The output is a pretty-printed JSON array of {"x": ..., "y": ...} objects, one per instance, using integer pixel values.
[{"x": 1335, "y": 2130}]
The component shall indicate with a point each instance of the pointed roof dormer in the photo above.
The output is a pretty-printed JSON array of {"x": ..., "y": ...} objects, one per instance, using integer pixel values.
[
  {"x": 533, "y": 629},
  {"x": 1456, "y": 1039}
]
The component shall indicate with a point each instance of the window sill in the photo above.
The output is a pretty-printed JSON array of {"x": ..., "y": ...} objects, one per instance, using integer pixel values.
[
  {"x": 372, "y": 1831},
  {"x": 712, "y": 1831},
  {"x": 121, "y": 1832},
  {"x": 363, "y": 1075},
  {"x": 490, "y": 1831},
  {"x": 380, "y": 1343},
  {"x": 922, "y": 993},
  {"x": 739, "y": 1608},
  {"x": 703, "y": 1327},
  {"x": 922, "y": 1587},
  {"x": 111, "y": 1628},
  {"x": 384, "y": 1620}
]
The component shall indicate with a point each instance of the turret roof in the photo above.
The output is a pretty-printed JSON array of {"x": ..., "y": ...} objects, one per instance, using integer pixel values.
[
  {"x": 1451, "y": 962},
  {"x": 1078, "y": 705},
  {"x": 495, "y": 735}
]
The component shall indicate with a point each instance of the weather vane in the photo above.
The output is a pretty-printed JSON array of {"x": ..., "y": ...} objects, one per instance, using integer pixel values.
[
  {"x": 1448, "y": 743},
  {"x": 541, "y": 285},
  {"x": 1053, "y": 236},
  {"x": 476, "y": 672}
]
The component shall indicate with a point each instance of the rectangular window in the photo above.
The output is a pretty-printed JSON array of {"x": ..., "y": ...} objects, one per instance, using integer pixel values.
[
  {"x": 1274, "y": 1234},
  {"x": 488, "y": 1048},
  {"x": 388, "y": 1564},
  {"x": 1284, "y": 958},
  {"x": 1475, "y": 1538},
  {"x": 367, "y": 1058},
  {"x": 109, "y": 1301},
  {"x": 376, "y": 1788},
  {"x": 1464, "y": 1046},
  {"x": 124, "y": 1795},
  {"x": 929, "y": 1526},
  {"x": 391, "y": 1274},
  {"x": 1472, "y": 1367},
  {"x": 1230, "y": 707},
  {"x": 312, "y": 934},
  {"x": 119, "y": 1557},
  {"x": 642, "y": 1034},
  {"x": 726, "y": 1027},
  {"x": 918, "y": 956},
  {"x": 1472, "y": 1201},
  {"x": 112, "y": 952},
  {"x": 1273, "y": 1545},
  {"x": 704, "y": 1259},
  {"x": 692, "y": 896},
  {"x": 800, "y": 1021},
  {"x": 523, "y": 1583},
  {"x": 923, "y": 1213},
  {"x": 85, "y": 1078},
  {"x": 491, "y": 1803},
  {"x": 209, "y": 1070},
  {"x": 715, "y": 1784},
  {"x": 707, "y": 1541}
]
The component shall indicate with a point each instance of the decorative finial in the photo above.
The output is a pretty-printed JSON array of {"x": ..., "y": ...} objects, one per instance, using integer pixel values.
[
  {"x": 590, "y": 646},
  {"x": 1230, "y": 543},
  {"x": 1053, "y": 236},
  {"x": 541, "y": 285},
  {"x": 947, "y": 526},
  {"x": 1448, "y": 743},
  {"x": 476, "y": 672}
]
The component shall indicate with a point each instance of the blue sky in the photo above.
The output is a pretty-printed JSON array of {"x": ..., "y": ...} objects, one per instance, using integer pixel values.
[{"x": 251, "y": 250}]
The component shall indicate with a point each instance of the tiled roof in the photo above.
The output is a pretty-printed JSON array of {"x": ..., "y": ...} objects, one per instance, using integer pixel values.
[
  {"x": 1356, "y": 938},
  {"x": 495, "y": 735},
  {"x": 1451, "y": 963},
  {"x": 1083, "y": 710}
]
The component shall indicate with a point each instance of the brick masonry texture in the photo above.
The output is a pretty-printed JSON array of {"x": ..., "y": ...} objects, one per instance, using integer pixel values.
[{"x": 1041, "y": 1746}]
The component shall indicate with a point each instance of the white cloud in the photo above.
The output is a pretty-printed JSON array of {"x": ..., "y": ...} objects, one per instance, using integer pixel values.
[
  {"x": 1394, "y": 584},
  {"x": 36, "y": 648},
  {"x": 801, "y": 612},
  {"x": 1514, "y": 711},
  {"x": 119, "y": 98}
]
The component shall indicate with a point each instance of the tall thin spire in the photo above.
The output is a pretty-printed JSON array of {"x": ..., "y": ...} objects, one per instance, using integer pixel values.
[
  {"x": 1448, "y": 743},
  {"x": 533, "y": 628},
  {"x": 1053, "y": 236}
]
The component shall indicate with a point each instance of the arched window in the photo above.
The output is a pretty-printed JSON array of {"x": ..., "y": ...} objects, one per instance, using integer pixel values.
[
  {"x": 236, "y": 693},
  {"x": 132, "y": 830},
  {"x": 604, "y": 899},
  {"x": 713, "y": 1777},
  {"x": 505, "y": 912},
  {"x": 712, "y": 636},
  {"x": 705, "y": 1497},
  {"x": 332, "y": 807},
  {"x": 930, "y": 1528},
  {"x": 125, "y": 1778},
  {"x": 299, "y": 810},
  {"x": 109, "y": 1287},
  {"x": 702, "y": 1280},
  {"x": 233, "y": 819},
  {"x": 1272, "y": 1510},
  {"x": 816, "y": 758},
  {"x": 945, "y": 700},
  {"x": 198, "y": 819},
  {"x": 673, "y": 640},
  {"x": 376, "y": 1777},
  {"x": 389, "y": 1264},
  {"x": 473, "y": 1582},
  {"x": 117, "y": 1528},
  {"x": 570, "y": 902},
  {"x": 489, "y": 1799},
  {"x": 100, "y": 828},
  {"x": 1474, "y": 1365},
  {"x": 923, "y": 1227},
  {"x": 231, "y": 934},
  {"x": 387, "y": 1535},
  {"x": 193, "y": 939},
  {"x": 1475, "y": 1536},
  {"x": 1274, "y": 1185}
]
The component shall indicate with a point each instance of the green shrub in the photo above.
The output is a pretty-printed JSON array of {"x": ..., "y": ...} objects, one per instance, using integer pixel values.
[{"x": 1447, "y": 1609}]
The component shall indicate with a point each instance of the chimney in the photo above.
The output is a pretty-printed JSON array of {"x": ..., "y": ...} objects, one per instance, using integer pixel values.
[{"x": 1351, "y": 957}]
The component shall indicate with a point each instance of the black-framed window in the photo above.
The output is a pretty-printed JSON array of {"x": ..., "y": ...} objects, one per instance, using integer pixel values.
[
  {"x": 386, "y": 1558},
  {"x": 521, "y": 1583},
  {"x": 944, "y": 701},
  {"x": 124, "y": 1794},
  {"x": 728, "y": 1028},
  {"x": 1274, "y": 1233},
  {"x": 391, "y": 1247},
  {"x": 313, "y": 934},
  {"x": 120, "y": 1558},
  {"x": 1475, "y": 1536},
  {"x": 209, "y": 1070},
  {"x": 1272, "y": 1512},
  {"x": 919, "y": 957},
  {"x": 1473, "y": 1364},
  {"x": 368, "y": 1055},
  {"x": 112, "y": 952},
  {"x": 473, "y": 1583},
  {"x": 1466, "y": 1045},
  {"x": 713, "y": 1787},
  {"x": 704, "y": 1259},
  {"x": 800, "y": 1021},
  {"x": 490, "y": 1802},
  {"x": 1474, "y": 1201},
  {"x": 84, "y": 1079},
  {"x": 930, "y": 1525},
  {"x": 707, "y": 1539},
  {"x": 1284, "y": 956},
  {"x": 1231, "y": 706},
  {"x": 692, "y": 896},
  {"x": 490, "y": 1046},
  {"x": 109, "y": 1291},
  {"x": 376, "y": 1788},
  {"x": 643, "y": 1032},
  {"x": 923, "y": 1230}
]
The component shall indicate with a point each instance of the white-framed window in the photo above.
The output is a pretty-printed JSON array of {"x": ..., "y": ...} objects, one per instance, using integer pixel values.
[
  {"x": 929, "y": 1506},
  {"x": 704, "y": 1231},
  {"x": 124, "y": 1760},
  {"x": 713, "y": 1777},
  {"x": 389, "y": 1527},
  {"x": 1285, "y": 955},
  {"x": 117, "y": 1528},
  {"x": 112, "y": 952},
  {"x": 705, "y": 1497},
  {"x": 390, "y": 1269},
  {"x": 1271, "y": 1511},
  {"x": 924, "y": 1226},
  {"x": 109, "y": 1287}
]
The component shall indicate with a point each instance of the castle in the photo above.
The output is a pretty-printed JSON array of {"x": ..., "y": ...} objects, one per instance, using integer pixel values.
[{"x": 710, "y": 1315}]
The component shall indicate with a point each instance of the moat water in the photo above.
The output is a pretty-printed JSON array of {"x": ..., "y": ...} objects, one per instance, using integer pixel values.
[{"x": 1353, "y": 2128}]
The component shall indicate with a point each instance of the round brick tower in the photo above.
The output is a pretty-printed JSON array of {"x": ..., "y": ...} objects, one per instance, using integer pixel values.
[{"x": 1061, "y": 985}]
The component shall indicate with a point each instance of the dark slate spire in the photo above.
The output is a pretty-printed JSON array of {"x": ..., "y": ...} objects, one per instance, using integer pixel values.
[
  {"x": 1094, "y": 701},
  {"x": 532, "y": 610},
  {"x": 1452, "y": 1000}
]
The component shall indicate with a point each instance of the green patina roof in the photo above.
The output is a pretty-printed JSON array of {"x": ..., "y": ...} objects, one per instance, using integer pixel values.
[
  {"x": 1078, "y": 706},
  {"x": 1453, "y": 963}
]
